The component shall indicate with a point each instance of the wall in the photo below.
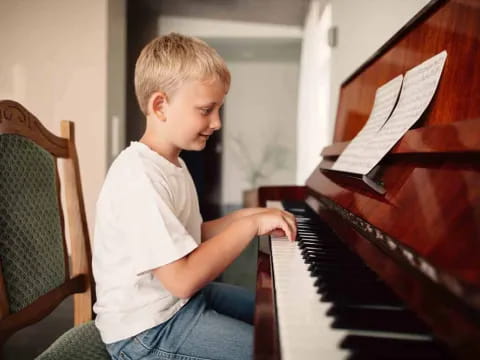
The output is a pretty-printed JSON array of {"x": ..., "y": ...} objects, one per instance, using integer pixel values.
[
  {"x": 116, "y": 78},
  {"x": 363, "y": 27},
  {"x": 54, "y": 62},
  {"x": 260, "y": 110},
  {"x": 209, "y": 28},
  {"x": 314, "y": 90}
]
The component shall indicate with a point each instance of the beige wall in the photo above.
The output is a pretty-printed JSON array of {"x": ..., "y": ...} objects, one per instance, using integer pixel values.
[{"x": 54, "y": 62}]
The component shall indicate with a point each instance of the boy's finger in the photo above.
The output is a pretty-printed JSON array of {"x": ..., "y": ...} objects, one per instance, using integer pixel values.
[
  {"x": 291, "y": 236},
  {"x": 292, "y": 225},
  {"x": 278, "y": 232},
  {"x": 288, "y": 231},
  {"x": 290, "y": 215}
]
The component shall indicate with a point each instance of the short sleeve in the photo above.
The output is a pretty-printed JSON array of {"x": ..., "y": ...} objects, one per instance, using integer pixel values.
[{"x": 152, "y": 231}]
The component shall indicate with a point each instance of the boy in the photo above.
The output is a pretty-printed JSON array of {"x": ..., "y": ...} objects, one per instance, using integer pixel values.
[{"x": 153, "y": 257}]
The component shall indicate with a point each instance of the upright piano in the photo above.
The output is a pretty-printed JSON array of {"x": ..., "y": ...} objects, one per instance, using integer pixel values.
[{"x": 393, "y": 275}]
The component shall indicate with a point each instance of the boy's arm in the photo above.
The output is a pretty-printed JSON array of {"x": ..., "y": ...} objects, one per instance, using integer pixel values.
[
  {"x": 184, "y": 277},
  {"x": 214, "y": 227}
]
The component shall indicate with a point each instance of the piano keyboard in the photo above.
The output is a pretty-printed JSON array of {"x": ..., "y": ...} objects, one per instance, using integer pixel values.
[{"x": 331, "y": 306}]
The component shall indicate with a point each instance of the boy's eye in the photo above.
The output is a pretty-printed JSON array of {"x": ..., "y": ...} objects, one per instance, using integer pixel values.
[{"x": 206, "y": 111}]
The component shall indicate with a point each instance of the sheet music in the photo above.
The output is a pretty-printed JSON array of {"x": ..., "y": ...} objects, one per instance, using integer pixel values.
[
  {"x": 351, "y": 159},
  {"x": 417, "y": 91}
]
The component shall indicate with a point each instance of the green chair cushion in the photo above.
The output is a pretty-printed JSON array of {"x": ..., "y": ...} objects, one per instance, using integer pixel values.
[
  {"x": 31, "y": 239},
  {"x": 79, "y": 343}
]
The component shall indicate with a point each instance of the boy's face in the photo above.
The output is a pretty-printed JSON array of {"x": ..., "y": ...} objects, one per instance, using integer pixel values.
[{"x": 192, "y": 113}]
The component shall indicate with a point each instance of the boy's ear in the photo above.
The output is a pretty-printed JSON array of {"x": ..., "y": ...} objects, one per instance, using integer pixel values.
[{"x": 157, "y": 104}]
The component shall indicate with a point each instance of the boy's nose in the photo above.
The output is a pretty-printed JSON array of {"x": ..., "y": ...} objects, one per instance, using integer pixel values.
[{"x": 215, "y": 122}]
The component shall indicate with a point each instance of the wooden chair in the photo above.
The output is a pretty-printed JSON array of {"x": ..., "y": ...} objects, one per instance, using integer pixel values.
[{"x": 35, "y": 272}]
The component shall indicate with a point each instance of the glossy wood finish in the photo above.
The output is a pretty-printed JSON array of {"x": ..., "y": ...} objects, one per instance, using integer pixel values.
[
  {"x": 454, "y": 137},
  {"x": 15, "y": 119},
  {"x": 266, "y": 340}
]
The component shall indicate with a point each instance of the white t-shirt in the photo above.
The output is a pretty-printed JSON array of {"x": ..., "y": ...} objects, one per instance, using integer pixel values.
[{"x": 147, "y": 216}]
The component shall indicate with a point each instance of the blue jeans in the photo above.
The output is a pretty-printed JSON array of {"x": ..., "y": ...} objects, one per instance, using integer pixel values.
[{"x": 216, "y": 323}]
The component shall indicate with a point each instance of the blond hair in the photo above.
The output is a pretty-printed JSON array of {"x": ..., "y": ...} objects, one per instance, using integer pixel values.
[{"x": 168, "y": 60}]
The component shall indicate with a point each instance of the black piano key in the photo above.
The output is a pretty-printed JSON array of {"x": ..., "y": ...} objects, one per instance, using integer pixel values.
[
  {"x": 330, "y": 262},
  {"x": 320, "y": 233},
  {"x": 366, "y": 347},
  {"x": 334, "y": 277},
  {"x": 325, "y": 242},
  {"x": 303, "y": 244},
  {"x": 325, "y": 268},
  {"x": 326, "y": 254},
  {"x": 355, "y": 301},
  {"x": 327, "y": 250},
  {"x": 319, "y": 237},
  {"x": 311, "y": 227},
  {"x": 353, "y": 287},
  {"x": 358, "y": 298},
  {"x": 323, "y": 283},
  {"x": 309, "y": 241},
  {"x": 361, "y": 301},
  {"x": 360, "y": 291},
  {"x": 304, "y": 235},
  {"x": 358, "y": 318},
  {"x": 315, "y": 244}
]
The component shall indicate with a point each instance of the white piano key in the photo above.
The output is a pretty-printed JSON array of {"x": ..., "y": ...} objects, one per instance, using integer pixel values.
[{"x": 304, "y": 327}]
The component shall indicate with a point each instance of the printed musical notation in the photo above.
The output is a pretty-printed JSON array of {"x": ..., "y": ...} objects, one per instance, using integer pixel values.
[
  {"x": 352, "y": 157},
  {"x": 381, "y": 132}
]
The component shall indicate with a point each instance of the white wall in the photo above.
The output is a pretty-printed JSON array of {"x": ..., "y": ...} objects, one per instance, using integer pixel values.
[
  {"x": 314, "y": 90},
  {"x": 363, "y": 27},
  {"x": 211, "y": 28},
  {"x": 54, "y": 62},
  {"x": 260, "y": 108}
]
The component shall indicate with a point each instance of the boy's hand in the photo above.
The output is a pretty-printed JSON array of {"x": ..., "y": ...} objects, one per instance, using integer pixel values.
[{"x": 274, "y": 221}]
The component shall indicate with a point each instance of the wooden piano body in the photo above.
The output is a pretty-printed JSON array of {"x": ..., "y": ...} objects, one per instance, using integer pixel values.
[{"x": 423, "y": 236}]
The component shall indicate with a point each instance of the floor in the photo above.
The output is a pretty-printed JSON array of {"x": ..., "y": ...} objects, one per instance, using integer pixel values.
[{"x": 31, "y": 341}]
